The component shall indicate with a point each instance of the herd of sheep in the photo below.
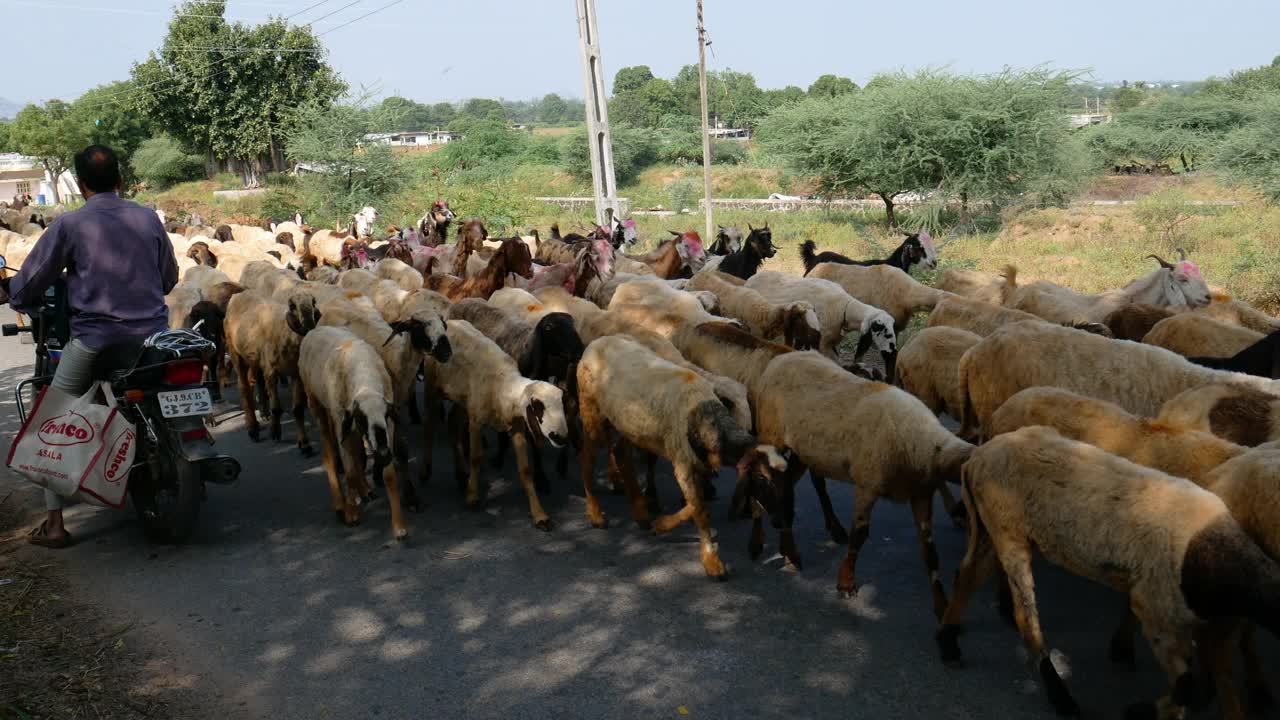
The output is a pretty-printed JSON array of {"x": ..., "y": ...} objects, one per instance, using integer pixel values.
[{"x": 1131, "y": 437}]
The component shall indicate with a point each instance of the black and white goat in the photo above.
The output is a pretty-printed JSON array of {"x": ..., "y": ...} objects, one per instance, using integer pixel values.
[
  {"x": 916, "y": 249},
  {"x": 746, "y": 262}
]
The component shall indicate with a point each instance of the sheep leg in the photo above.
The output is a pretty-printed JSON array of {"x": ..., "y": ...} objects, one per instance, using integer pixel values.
[
  {"x": 521, "y": 443},
  {"x": 353, "y": 462},
  {"x": 622, "y": 461},
  {"x": 459, "y": 442},
  {"x": 264, "y": 401},
  {"x": 300, "y": 415},
  {"x": 500, "y": 453},
  {"x": 575, "y": 439},
  {"x": 389, "y": 480},
  {"x": 345, "y": 512},
  {"x": 1255, "y": 681},
  {"x": 979, "y": 562},
  {"x": 955, "y": 509},
  {"x": 1121, "y": 646},
  {"x": 1172, "y": 648},
  {"x": 475, "y": 457},
  {"x": 863, "y": 501},
  {"x": 431, "y": 411},
  {"x": 1216, "y": 643},
  {"x": 711, "y": 561},
  {"x": 922, "y": 511},
  {"x": 834, "y": 528},
  {"x": 415, "y": 415},
  {"x": 1015, "y": 557},
  {"x": 400, "y": 458},
  {"x": 273, "y": 398},
  {"x": 651, "y": 483},
  {"x": 246, "y": 400},
  {"x": 540, "y": 481}
]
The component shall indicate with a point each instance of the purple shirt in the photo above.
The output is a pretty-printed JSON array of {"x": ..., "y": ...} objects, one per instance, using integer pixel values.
[{"x": 119, "y": 265}]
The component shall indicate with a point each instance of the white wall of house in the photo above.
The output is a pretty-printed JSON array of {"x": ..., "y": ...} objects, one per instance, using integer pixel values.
[{"x": 40, "y": 182}]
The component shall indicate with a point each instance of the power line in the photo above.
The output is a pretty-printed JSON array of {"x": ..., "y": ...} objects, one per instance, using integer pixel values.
[
  {"x": 373, "y": 12},
  {"x": 108, "y": 99},
  {"x": 335, "y": 12}
]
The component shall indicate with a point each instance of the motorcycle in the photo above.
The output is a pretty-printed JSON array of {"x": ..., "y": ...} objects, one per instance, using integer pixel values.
[{"x": 158, "y": 387}]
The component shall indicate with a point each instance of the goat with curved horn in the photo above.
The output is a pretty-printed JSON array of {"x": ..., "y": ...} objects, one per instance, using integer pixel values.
[
  {"x": 1182, "y": 255},
  {"x": 1163, "y": 263}
]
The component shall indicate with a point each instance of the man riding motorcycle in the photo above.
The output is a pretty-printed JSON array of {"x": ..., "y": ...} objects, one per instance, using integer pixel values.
[{"x": 119, "y": 266}]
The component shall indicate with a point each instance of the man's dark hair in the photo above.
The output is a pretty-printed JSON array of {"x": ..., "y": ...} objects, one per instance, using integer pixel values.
[{"x": 98, "y": 168}]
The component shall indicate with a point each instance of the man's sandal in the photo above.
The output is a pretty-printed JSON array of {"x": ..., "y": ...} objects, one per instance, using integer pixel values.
[{"x": 40, "y": 537}]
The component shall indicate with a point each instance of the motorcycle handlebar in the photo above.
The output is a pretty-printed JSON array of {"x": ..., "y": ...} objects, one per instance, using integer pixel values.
[{"x": 10, "y": 329}]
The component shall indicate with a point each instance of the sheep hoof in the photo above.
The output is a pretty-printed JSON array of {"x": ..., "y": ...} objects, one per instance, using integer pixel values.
[
  {"x": 255, "y": 434},
  {"x": 1141, "y": 711},
  {"x": 1056, "y": 689},
  {"x": 544, "y": 524},
  {"x": 402, "y": 534},
  {"x": 600, "y": 522},
  {"x": 306, "y": 451},
  {"x": 714, "y": 566},
  {"x": 1260, "y": 699},
  {"x": 276, "y": 434},
  {"x": 946, "y": 637}
]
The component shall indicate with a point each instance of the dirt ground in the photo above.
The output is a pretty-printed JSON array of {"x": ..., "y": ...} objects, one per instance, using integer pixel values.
[{"x": 63, "y": 658}]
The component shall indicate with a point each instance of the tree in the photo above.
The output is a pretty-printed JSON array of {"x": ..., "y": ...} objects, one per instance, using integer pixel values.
[
  {"x": 1250, "y": 154},
  {"x": 6, "y": 144},
  {"x": 969, "y": 139},
  {"x": 1127, "y": 97},
  {"x": 1183, "y": 129},
  {"x": 484, "y": 141},
  {"x": 830, "y": 86},
  {"x": 788, "y": 94},
  {"x": 645, "y": 106},
  {"x": 631, "y": 78},
  {"x": 552, "y": 109},
  {"x": 633, "y": 150},
  {"x": 482, "y": 108},
  {"x": 107, "y": 120},
  {"x": 52, "y": 135},
  {"x": 216, "y": 88},
  {"x": 347, "y": 173},
  {"x": 160, "y": 162},
  {"x": 443, "y": 113},
  {"x": 398, "y": 113}
]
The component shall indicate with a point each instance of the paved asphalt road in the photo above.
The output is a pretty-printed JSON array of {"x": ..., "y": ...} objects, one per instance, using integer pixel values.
[{"x": 285, "y": 614}]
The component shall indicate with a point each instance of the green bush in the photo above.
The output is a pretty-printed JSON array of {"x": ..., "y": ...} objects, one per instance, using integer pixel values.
[
  {"x": 541, "y": 150},
  {"x": 683, "y": 194},
  {"x": 633, "y": 151},
  {"x": 161, "y": 163},
  {"x": 485, "y": 141}
]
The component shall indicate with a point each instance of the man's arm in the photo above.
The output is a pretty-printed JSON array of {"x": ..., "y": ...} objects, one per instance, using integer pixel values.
[{"x": 43, "y": 266}]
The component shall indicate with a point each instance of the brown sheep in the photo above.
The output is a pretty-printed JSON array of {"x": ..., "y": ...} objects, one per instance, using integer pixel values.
[{"x": 1192, "y": 335}]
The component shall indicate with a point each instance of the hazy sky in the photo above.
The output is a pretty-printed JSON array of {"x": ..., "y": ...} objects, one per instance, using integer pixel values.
[{"x": 433, "y": 50}]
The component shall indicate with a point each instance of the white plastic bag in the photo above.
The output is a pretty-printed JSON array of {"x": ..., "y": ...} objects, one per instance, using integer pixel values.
[{"x": 73, "y": 445}]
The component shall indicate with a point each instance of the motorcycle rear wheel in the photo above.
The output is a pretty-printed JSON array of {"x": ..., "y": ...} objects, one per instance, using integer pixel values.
[{"x": 168, "y": 501}]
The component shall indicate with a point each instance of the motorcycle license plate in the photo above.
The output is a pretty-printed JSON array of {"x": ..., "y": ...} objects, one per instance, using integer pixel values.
[{"x": 183, "y": 403}]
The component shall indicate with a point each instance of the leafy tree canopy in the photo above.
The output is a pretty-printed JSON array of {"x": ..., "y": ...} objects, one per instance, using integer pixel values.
[
  {"x": 51, "y": 134},
  {"x": 831, "y": 86},
  {"x": 631, "y": 78}
]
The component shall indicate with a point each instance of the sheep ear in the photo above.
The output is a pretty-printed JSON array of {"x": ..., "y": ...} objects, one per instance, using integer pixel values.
[
  {"x": 740, "y": 506},
  {"x": 532, "y": 411},
  {"x": 291, "y": 319},
  {"x": 864, "y": 344}
]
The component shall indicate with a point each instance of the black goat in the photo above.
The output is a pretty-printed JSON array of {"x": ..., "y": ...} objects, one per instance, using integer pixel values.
[
  {"x": 916, "y": 249},
  {"x": 1261, "y": 359},
  {"x": 747, "y": 261}
]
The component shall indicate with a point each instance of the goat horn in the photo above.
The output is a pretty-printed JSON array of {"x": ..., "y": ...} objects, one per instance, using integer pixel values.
[
  {"x": 1163, "y": 263},
  {"x": 1182, "y": 255}
]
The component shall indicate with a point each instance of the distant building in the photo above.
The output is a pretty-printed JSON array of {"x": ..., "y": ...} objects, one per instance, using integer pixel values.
[
  {"x": 1080, "y": 120},
  {"x": 20, "y": 175},
  {"x": 413, "y": 138}
]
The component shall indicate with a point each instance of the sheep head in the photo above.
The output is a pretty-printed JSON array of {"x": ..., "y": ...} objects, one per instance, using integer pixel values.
[
  {"x": 427, "y": 334},
  {"x": 728, "y": 240},
  {"x": 875, "y": 331},
  {"x": 200, "y": 252},
  {"x": 543, "y": 413},
  {"x": 715, "y": 437},
  {"x": 286, "y": 238},
  {"x": 1181, "y": 283},
  {"x": 206, "y": 318},
  {"x": 223, "y": 234},
  {"x": 303, "y": 315},
  {"x": 557, "y": 343},
  {"x": 762, "y": 478},
  {"x": 519, "y": 258},
  {"x": 800, "y": 326},
  {"x": 624, "y": 235},
  {"x": 924, "y": 251},
  {"x": 364, "y": 221}
]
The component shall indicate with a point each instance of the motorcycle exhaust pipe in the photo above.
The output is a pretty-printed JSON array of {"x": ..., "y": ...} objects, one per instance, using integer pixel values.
[{"x": 221, "y": 470}]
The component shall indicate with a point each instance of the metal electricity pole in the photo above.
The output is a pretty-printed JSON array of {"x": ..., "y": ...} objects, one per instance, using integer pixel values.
[
  {"x": 706, "y": 128},
  {"x": 603, "y": 183}
]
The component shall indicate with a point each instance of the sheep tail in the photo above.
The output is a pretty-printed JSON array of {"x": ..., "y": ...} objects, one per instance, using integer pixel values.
[
  {"x": 967, "y": 413},
  {"x": 1010, "y": 275},
  {"x": 808, "y": 255}
]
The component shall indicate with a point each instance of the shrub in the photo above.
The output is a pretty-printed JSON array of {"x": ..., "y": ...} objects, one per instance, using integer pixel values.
[
  {"x": 484, "y": 141},
  {"x": 161, "y": 163},
  {"x": 633, "y": 151},
  {"x": 683, "y": 193}
]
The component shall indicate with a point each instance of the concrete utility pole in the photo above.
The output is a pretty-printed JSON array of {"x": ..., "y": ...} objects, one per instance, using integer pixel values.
[
  {"x": 603, "y": 182},
  {"x": 706, "y": 128}
]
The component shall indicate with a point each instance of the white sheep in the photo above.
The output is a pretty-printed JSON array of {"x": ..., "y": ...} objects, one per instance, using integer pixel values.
[
  {"x": 488, "y": 391},
  {"x": 356, "y": 280},
  {"x": 263, "y": 337},
  {"x": 881, "y": 439},
  {"x": 794, "y": 322},
  {"x": 1242, "y": 314},
  {"x": 883, "y": 286},
  {"x": 653, "y": 292},
  {"x": 1139, "y": 378},
  {"x": 350, "y": 395},
  {"x": 1180, "y": 284},
  {"x": 663, "y": 409},
  {"x": 1193, "y": 335},
  {"x": 398, "y": 272},
  {"x": 1173, "y": 547},
  {"x": 180, "y": 300},
  {"x": 838, "y": 311},
  {"x": 973, "y": 284},
  {"x": 975, "y": 316},
  {"x": 928, "y": 367}
]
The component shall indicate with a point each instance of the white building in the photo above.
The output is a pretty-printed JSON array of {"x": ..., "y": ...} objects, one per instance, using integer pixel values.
[
  {"x": 414, "y": 138},
  {"x": 20, "y": 175}
]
